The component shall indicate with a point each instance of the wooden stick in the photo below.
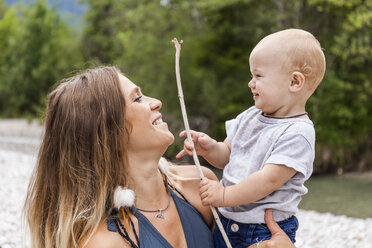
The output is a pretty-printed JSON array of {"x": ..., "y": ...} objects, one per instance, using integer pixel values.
[{"x": 187, "y": 127}]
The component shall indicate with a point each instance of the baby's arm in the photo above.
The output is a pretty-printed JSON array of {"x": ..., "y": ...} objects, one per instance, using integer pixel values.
[
  {"x": 255, "y": 187},
  {"x": 216, "y": 153}
]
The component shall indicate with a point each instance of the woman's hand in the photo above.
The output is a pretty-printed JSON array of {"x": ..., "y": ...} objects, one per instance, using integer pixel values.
[{"x": 279, "y": 238}]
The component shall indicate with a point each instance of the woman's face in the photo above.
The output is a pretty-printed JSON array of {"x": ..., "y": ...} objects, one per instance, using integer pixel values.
[{"x": 147, "y": 129}]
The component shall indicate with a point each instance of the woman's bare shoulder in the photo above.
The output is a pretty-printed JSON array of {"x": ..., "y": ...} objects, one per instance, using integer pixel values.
[
  {"x": 189, "y": 187},
  {"x": 191, "y": 172},
  {"x": 103, "y": 238}
]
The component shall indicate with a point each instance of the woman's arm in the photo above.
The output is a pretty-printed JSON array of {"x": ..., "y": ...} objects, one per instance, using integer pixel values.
[{"x": 279, "y": 238}]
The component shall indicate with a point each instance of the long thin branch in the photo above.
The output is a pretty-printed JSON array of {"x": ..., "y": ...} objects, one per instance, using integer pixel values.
[{"x": 187, "y": 127}]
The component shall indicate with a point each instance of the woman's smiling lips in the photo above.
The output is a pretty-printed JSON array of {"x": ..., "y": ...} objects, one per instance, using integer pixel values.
[{"x": 158, "y": 120}]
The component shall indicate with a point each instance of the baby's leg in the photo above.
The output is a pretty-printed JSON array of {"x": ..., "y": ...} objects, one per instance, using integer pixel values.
[
  {"x": 244, "y": 235},
  {"x": 236, "y": 232},
  {"x": 289, "y": 226}
]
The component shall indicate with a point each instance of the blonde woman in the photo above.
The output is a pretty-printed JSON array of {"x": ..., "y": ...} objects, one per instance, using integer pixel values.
[{"x": 103, "y": 137}]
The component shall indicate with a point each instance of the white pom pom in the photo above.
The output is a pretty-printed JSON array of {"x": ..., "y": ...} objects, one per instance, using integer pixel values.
[
  {"x": 163, "y": 165},
  {"x": 123, "y": 197}
]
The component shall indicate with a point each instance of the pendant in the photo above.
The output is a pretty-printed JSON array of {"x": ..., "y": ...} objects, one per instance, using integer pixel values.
[{"x": 160, "y": 215}]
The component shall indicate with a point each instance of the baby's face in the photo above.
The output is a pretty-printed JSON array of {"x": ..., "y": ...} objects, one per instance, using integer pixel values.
[{"x": 270, "y": 79}]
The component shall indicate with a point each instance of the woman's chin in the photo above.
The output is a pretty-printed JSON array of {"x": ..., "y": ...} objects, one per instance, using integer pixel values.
[
  {"x": 170, "y": 139},
  {"x": 166, "y": 144},
  {"x": 166, "y": 139}
]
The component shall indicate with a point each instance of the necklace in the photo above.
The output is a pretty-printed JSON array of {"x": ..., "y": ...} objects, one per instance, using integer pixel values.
[
  {"x": 160, "y": 214},
  {"x": 284, "y": 117}
]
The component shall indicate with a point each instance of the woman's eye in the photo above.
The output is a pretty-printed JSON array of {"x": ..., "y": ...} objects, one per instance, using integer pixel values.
[{"x": 138, "y": 99}]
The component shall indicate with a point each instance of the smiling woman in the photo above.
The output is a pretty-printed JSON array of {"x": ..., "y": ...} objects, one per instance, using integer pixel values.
[{"x": 102, "y": 133}]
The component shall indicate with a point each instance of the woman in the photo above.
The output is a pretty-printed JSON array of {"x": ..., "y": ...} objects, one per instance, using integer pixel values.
[{"x": 102, "y": 134}]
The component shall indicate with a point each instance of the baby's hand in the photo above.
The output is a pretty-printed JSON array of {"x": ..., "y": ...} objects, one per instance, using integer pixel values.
[
  {"x": 202, "y": 142},
  {"x": 211, "y": 193}
]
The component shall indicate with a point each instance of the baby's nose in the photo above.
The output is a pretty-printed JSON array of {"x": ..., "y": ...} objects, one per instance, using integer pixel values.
[{"x": 251, "y": 84}]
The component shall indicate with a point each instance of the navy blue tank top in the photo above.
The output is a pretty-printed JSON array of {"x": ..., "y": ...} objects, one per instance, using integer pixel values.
[{"x": 196, "y": 231}]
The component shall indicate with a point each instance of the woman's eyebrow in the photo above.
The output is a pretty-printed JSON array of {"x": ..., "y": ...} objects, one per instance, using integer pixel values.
[{"x": 135, "y": 90}]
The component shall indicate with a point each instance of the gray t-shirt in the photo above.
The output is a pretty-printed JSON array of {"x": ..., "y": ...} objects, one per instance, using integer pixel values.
[{"x": 257, "y": 140}]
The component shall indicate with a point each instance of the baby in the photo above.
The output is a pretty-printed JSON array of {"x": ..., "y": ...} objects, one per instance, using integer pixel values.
[{"x": 268, "y": 153}]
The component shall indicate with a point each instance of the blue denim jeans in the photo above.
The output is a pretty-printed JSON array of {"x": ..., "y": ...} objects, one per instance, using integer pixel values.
[{"x": 244, "y": 235}]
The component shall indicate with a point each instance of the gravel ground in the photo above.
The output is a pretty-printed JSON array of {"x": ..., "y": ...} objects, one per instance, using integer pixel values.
[{"x": 19, "y": 141}]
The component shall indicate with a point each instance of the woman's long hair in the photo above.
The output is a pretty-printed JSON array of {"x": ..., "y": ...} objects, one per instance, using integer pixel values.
[{"x": 81, "y": 159}]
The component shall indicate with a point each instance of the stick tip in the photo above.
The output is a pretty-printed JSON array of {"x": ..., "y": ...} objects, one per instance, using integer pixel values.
[{"x": 175, "y": 41}]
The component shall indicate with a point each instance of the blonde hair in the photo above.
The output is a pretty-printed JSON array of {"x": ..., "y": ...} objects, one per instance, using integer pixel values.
[
  {"x": 303, "y": 54},
  {"x": 167, "y": 168},
  {"x": 81, "y": 160}
]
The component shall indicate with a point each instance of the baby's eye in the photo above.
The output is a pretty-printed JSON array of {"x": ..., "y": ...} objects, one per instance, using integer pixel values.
[
  {"x": 138, "y": 98},
  {"x": 258, "y": 75}
]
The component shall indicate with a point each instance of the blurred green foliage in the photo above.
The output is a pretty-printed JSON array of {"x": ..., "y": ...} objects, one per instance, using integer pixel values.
[{"x": 37, "y": 49}]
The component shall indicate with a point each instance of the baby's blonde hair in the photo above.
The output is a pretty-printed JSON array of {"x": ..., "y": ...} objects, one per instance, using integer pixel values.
[{"x": 303, "y": 53}]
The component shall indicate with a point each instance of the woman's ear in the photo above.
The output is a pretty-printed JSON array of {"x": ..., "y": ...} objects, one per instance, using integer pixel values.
[{"x": 297, "y": 81}]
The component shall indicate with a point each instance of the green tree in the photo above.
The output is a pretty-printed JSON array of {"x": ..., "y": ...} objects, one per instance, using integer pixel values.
[
  {"x": 342, "y": 104},
  {"x": 218, "y": 38},
  {"x": 9, "y": 27},
  {"x": 2, "y": 8},
  {"x": 38, "y": 53},
  {"x": 104, "y": 20}
]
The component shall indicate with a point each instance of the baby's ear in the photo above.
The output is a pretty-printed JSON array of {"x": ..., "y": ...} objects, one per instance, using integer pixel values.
[{"x": 297, "y": 81}]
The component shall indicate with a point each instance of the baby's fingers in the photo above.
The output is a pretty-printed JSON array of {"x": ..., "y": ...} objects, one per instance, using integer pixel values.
[
  {"x": 205, "y": 202},
  {"x": 189, "y": 146},
  {"x": 181, "y": 154},
  {"x": 204, "y": 182},
  {"x": 183, "y": 133},
  {"x": 205, "y": 199},
  {"x": 194, "y": 135},
  {"x": 203, "y": 186}
]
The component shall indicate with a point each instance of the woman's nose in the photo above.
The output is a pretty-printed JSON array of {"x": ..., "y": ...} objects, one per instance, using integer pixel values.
[{"x": 155, "y": 104}]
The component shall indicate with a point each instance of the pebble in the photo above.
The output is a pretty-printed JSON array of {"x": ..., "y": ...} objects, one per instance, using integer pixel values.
[{"x": 18, "y": 151}]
